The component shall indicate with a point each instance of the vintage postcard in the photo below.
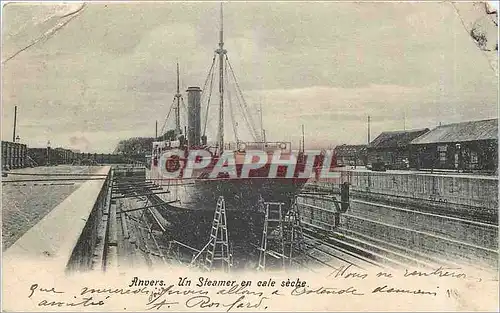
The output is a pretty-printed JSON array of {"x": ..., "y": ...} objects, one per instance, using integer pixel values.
[{"x": 250, "y": 156}]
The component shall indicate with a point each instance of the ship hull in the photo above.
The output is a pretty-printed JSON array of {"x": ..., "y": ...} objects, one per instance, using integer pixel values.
[
  {"x": 239, "y": 194},
  {"x": 193, "y": 228},
  {"x": 190, "y": 207}
]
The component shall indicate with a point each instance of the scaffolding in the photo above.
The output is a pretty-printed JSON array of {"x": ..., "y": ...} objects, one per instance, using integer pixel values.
[
  {"x": 217, "y": 250},
  {"x": 218, "y": 245},
  {"x": 281, "y": 236}
]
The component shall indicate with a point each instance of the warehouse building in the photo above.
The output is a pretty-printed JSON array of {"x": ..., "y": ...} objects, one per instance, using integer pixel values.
[
  {"x": 468, "y": 146},
  {"x": 393, "y": 148},
  {"x": 350, "y": 155},
  {"x": 13, "y": 155}
]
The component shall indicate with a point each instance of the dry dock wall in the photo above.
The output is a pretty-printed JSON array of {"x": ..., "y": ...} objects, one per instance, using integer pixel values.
[
  {"x": 67, "y": 235},
  {"x": 460, "y": 190},
  {"x": 423, "y": 212},
  {"x": 434, "y": 235}
]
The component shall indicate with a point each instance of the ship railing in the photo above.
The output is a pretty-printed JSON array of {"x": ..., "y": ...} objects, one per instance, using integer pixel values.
[{"x": 282, "y": 146}]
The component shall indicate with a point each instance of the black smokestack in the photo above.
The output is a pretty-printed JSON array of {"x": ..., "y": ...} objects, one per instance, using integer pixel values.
[{"x": 194, "y": 116}]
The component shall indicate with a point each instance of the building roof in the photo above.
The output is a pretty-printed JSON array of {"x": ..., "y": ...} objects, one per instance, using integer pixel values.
[
  {"x": 460, "y": 132},
  {"x": 345, "y": 150},
  {"x": 396, "y": 139}
]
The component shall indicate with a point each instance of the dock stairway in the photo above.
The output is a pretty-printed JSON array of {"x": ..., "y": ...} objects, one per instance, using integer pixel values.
[{"x": 281, "y": 236}]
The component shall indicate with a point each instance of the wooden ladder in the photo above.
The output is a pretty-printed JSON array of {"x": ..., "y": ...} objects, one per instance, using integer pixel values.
[
  {"x": 218, "y": 245},
  {"x": 272, "y": 235}
]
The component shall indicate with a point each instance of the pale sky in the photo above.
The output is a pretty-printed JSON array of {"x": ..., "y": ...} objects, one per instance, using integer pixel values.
[{"x": 109, "y": 73}]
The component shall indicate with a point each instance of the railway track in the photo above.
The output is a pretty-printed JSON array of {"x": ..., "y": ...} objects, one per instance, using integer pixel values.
[
  {"x": 446, "y": 238},
  {"x": 349, "y": 253},
  {"x": 331, "y": 252},
  {"x": 399, "y": 235},
  {"x": 332, "y": 256}
]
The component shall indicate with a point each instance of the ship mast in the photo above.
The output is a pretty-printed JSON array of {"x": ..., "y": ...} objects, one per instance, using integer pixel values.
[
  {"x": 177, "y": 107},
  {"x": 221, "y": 52},
  {"x": 262, "y": 124}
]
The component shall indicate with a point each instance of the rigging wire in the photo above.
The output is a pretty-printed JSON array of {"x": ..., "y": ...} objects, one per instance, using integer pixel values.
[
  {"x": 245, "y": 118},
  {"x": 166, "y": 119},
  {"x": 244, "y": 114},
  {"x": 185, "y": 112},
  {"x": 211, "y": 73},
  {"x": 244, "y": 106},
  {"x": 231, "y": 111},
  {"x": 204, "y": 89},
  {"x": 208, "y": 76}
]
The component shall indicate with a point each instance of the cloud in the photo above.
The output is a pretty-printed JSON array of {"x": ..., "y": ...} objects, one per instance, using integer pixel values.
[
  {"x": 110, "y": 73},
  {"x": 79, "y": 143}
]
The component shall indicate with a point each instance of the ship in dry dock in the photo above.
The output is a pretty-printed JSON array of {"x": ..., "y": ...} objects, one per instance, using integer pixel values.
[{"x": 192, "y": 201}]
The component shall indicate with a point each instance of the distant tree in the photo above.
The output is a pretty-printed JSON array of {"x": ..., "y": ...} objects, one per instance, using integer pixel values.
[
  {"x": 141, "y": 145},
  {"x": 137, "y": 145},
  {"x": 169, "y": 135}
]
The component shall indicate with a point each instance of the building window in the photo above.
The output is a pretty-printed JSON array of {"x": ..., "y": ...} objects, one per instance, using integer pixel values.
[
  {"x": 442, "y": 153},
  {"x": 473, "y": 158}
]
